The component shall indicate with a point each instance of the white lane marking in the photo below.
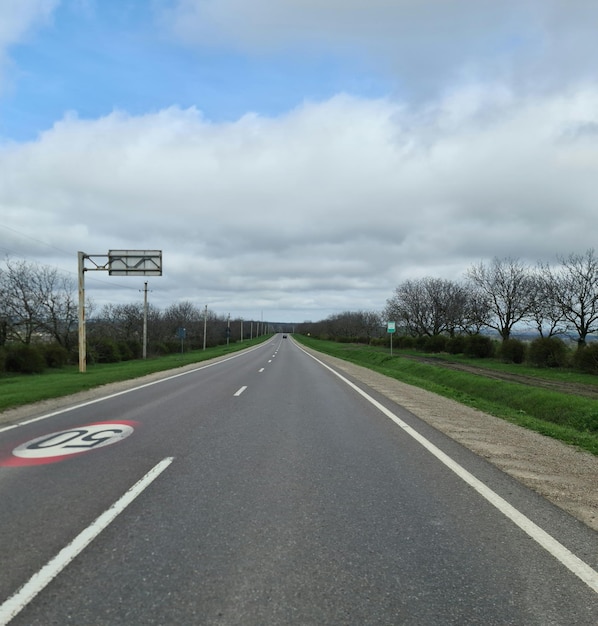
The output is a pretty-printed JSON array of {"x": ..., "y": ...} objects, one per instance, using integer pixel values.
[
  {"x": 240, "y": 391},
  {"x": 270, "y": 361},
  {"x": 120, "y": 393},
  {"x": 261, "y": 370},
  {"x": 18, "y": 601},
  {"x": 580, "y": 568}
]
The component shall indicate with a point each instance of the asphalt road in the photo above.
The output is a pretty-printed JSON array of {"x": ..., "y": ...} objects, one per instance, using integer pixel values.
[{"x": 265, "y": 489}]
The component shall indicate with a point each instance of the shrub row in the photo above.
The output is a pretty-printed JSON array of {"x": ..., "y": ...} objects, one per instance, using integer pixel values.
[
  {"x": 541, "y": 352},
  {"x": 550, "y": 352},
  {"x": 34, "y": 358},
  {"x": 24, "y": 358},
  {"x": 477, "y": 346}
]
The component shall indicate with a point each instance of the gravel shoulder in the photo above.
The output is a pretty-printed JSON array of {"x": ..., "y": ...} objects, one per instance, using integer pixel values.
[{"x": 566, "y": 476}]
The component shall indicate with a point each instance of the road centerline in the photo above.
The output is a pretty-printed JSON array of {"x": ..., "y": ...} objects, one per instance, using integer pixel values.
[{"x": 131, "y": 389}]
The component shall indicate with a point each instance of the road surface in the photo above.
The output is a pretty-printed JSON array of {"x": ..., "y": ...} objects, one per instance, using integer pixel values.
[{"x": 267, "y": 489}]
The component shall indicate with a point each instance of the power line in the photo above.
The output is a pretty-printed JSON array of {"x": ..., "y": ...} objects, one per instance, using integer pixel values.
[{"x": 49, "y": 245}]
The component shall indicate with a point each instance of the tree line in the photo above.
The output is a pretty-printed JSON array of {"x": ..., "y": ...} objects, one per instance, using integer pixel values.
[
  {"x": 39, "y": 323},
  {"x": 501, "y": 296},
  {"x": 38, "y": 305}
]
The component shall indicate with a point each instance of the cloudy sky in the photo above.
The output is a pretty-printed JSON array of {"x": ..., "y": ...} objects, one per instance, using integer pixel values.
[{"x": 294, "y": 159}]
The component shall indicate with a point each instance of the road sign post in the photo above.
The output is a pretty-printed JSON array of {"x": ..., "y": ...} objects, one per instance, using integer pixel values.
[
  {"x": 391, "y": 329},
  {"x": 181, "y": 333}
]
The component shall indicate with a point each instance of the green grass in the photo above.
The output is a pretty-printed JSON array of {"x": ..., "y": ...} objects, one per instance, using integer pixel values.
[
  {"x": 564, "y": 375},
  {"x": 569, "y": 418},
  {"x": 18, "y": 390}
]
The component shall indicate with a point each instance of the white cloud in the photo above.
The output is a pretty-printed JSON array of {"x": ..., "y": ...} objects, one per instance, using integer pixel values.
[{"x": 327, "y": 207}]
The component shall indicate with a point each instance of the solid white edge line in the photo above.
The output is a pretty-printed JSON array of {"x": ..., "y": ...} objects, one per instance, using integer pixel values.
[
  {"x": 19, "y": 600},
  {"x": 578, "y": 567},
  {"x": 120, "y": 393},
  {"x": 240, "y": 391}
]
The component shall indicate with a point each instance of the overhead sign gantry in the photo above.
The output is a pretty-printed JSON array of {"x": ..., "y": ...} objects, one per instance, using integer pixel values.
[{"x": 116, "y": 263}]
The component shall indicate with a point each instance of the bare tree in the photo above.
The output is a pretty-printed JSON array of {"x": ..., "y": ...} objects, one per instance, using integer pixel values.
[
  {"x": 545, "y": 313},
  {"x": 349, "y": 324},
  {"x": 21, "y": 301},
  {"x": 121, "y": 322},
  {"x": 476, "y": 313},
  {"x": 573, "y": 287},
  {"x": 370, "y": 324},
  {"x": 58, "y": 306},
  {"x": 507, "y": 286},
  {"x": 185, "y": 315},
  {"x": 428, "y": 306}
]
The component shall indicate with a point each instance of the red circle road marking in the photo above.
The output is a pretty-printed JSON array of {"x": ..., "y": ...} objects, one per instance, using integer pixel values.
[{"x": 62, "y": 444}]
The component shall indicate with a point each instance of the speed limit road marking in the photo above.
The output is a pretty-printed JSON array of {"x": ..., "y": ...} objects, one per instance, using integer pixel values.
[{"x": 57, "y": 446}]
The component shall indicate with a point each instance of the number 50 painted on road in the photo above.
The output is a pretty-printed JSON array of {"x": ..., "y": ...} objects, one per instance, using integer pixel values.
[{"x": 55, "y": 446}]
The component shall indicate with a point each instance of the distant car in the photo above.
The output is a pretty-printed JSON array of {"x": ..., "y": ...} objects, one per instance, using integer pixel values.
[{"x": 284, "y": 336}]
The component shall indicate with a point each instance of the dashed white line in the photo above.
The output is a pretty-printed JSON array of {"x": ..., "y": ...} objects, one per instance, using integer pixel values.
[
  {"x": 240, "y": 391},
  {"x": 120, "y": 393},
  {"x": 261, "y": 370},
  {"x": 18, "y": 601}
]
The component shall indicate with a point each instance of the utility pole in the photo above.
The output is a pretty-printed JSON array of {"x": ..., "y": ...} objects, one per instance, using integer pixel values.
[
  {"x": 241, "y": 329},
  {"x": 228, "y": 330},
  {"x": 145, "y": 320},
  {"x": 82, "y": 333},
  {"x": 205, "y": 325}
]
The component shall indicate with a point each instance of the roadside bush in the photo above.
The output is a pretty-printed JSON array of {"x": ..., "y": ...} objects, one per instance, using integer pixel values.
[
  {"x": 479, "y": 346},
  {"x": 104, "y": 351},
  {"x": 2, "y": 360},
  {"x": 129, "y": 349},
  {"x": 160, "y": 348},
  {"x": 24, "y": 359},
  {"x": 456, "y": 345},
  {"x": 405, "y": 342},
  {"x": 586, "y": 359},
  {"x": 124, "y": 350},
  {"x": 512, "y": 351},
  {"x": 55, "y": 355},
  {"x": 436, "y": 343},
  {"x": 175, "y": 346},
  {"x": 381, "y": 341},
  {"x": 548, "y": 352},
  {"x": 419, "y": 342}
]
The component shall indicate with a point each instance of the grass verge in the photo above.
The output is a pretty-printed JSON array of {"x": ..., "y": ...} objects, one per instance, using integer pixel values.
[
  {"x": 569, "y": 418},
  {"x": 18, "y": 390}
]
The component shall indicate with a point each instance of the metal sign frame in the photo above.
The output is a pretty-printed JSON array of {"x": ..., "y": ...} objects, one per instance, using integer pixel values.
[
  {"x": 135, "y": 262},
  {"x": 116, "y": 263}
]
